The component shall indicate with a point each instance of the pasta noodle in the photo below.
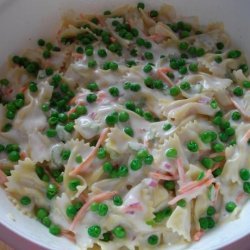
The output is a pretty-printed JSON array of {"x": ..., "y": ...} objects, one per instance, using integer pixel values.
[{"x": 129, "y": 131}]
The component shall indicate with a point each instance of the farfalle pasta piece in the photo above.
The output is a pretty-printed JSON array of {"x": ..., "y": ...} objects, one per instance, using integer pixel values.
[
  {"x": 24, "y": 181},
  {"x": 180, "y": 221}
]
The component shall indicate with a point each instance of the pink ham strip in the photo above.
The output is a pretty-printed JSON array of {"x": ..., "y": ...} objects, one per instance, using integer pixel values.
[
  {"x": 160, "y": 176},
  {"x": 190, "y": 192},
  {"x": 181, "y": 171},
  {"x": 194, "y": 184},
  {"x": 90, "y": 158},
  {"x": 3, "y": 178},
  {"x": 161, "y": 73},
  {"x": 97, "y": 198},
  {"x": 240, "y": 109}
]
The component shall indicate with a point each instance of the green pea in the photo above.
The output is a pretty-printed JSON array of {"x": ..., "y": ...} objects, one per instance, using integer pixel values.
[
  {"x": 140, "y": 5},
  {"x": 25, "y": 200},
  {"x": 193, "y": 67},
  {"x": 130, "y": 105},
  {"x": 208, "y": 163},
  {"x": 203, "y": 223},
  {"x": 148, "y": 55},
  {"x": 148, "y": 116},
  {"x": 113, "y": 66},
  {"x": 65, "y": 154},
  {"x": 244, "y": 174},
  {"x": 211, "y": 222},
  {"x": 218, "y": 59},
  {"x": 51, "y": 191},
  {"x": 123, "y": 116},
  {"x": 55, "y": 229},
  {"x": 244, "y": 68},
  {"x": 142, "y": 154},
  {"x": 41, "y": 213},
  {"x": 147, "y": 68},
  {"x": 234, "y": 54},
  {"x": 119, "y": 232},
  {"x": 71, "y": 211},
  {"x": 93, "y": 86},
  {"x": 102, "y": 53},
  {"x": 136, "y": 164},
  {"x": 117, "y": 200},
  {"x": 114, "y": 91},
  {"x": 153, "y": 240},
  {"x": 149, "y": 160},
  {"x": 171, "y": 153},
  {"x": 246, "y": 84},
  {"x": 129, "y": 131},
  {"x": 102, "y": 209},
  {"x": 174, "y": 91},
  {"x": 46, "y": 221},
  {"x": 246, "y": 187},
  {"x": 230, "y": 206},
  {"x": 101, "y": 153},
  {"x": 208, "y": 136},
  {"x": 73, "y": 184},
  {"x": 200, "y": 52},
  {"x": 211, "y": 211},
  {"x": 238, "y": 91},
  {"x": 33, "y": 87},
  {"x": 217, "y": 172},
  {"x": 185, "y": 86},
  {"x": 51, "y": 132},
  {"x": 183, "y": 45},
  {"x": 111, "y": 119},
  {"x": 40, "y": 42},
  {"x": 218, "y": 147},
  {"x": 14, "y": 156},
  {"x": 94, "y": 231},
  {"x": 92, "y": 64},
  {"x": 167, "y": 126},
  {"x": 192, "y": 146},
  {"x": 81, "y": 110},
  {"x": 107, "y": 167},
  {"x": 169, "y": 185},
  {"x": 181, "y": 203},
  {"x": 213, "y": 104},
  {"x": 69, "y": 127},
  {"x": 78, "y": 159},
  {"x": 123, "y": 171}
]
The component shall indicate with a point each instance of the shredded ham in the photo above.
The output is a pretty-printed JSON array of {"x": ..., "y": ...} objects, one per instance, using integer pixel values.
[
  {"x": 190, "y": 192},
  {"x": 161, "y": 73},
  {"x": 240, "y": 196},
  {"x": 246, "y": 136},
  {"x": 97, "y": 198},
  {"x": 69, "y": 235},
  {"x": 157, "y": 38},
  {"x": 3, "y": 177},
  {"x": 193, "y": 184},
  {"x": 240, "y": 109},
  {"x": 198, "y": 235},
  {"x": 132, "y": 208},
  {"x": 76, "y": 98},
  {"x": 181, "y": 171},
  {"x": 90, "y": 158},
  {"x": 23, "y": 155},
  {"x": 216, "y": 194},
  {"x": 217, "y": 165},
  {"x": 160, "y": 176}
]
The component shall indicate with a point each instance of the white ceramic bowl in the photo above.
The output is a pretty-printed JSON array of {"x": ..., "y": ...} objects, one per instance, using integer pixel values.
[{"x": 23, "y": 21}]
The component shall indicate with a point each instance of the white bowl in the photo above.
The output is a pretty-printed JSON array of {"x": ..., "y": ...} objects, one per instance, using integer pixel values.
[{"x": 23, "y": 21}]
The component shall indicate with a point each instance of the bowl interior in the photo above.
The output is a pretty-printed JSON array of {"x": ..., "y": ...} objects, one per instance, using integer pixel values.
[{"x": 23, "y": 22}]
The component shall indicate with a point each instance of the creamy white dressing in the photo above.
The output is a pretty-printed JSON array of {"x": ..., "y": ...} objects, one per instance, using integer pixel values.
[{"x": 177, "y": 120}]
